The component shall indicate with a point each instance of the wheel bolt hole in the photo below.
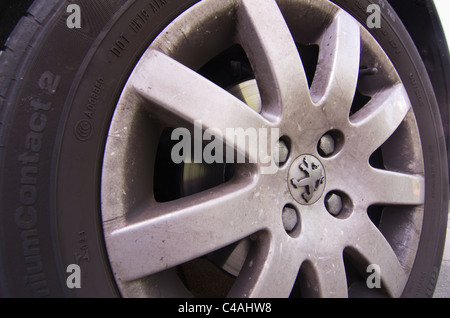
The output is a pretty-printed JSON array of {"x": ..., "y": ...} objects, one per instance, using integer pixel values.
[
  {"x": 282, "y": 151},
  {"x": 338, "y": 204},
  {"x": 291, "y": 220},
  {"x": 330, "y": 144}
]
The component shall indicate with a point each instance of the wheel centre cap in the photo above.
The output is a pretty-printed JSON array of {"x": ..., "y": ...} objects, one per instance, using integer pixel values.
[{"x": 306, "y": 179}]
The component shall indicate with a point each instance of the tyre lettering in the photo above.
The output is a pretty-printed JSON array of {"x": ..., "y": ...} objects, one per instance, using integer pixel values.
[
  {"x": 156, "y": 5},
  {"x": 93, "y": 97},
  {"x": 49, "y": 82},
  {"x": 433, "y": 281},
  {"x": 120, "y": 45},
  {"x": 25, "y": 218},
  {"x": 136, "y": 25},
  {"x": 84, "y": 128},
  {"x": 82, "y": 254},
  {"x": 26, "y": 215}
]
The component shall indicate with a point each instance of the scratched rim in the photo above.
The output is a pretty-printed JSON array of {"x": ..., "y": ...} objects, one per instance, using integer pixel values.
[{"x": 165, "y": 232}]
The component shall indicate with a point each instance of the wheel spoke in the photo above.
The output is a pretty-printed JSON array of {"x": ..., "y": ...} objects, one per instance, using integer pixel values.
[
  {"x": 177, "y": 94},
  {"x": 379, "y": 119},
  {"x": 370, "y": 247},
  {"x": 264, "y": 35},
  {"x": 337, "y": 72},
  {"x": 270, "y": 272},
  {"x": 169, "y": 234},
  {"x": 330, "y": 276},
  {"x": 392, "y": 188}
]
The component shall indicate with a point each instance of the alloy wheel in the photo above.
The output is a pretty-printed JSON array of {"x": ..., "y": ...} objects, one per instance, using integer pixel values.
[{"x": 338, "y": 102}]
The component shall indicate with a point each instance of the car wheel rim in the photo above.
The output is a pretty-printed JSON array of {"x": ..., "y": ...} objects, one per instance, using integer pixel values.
[{"x": 265, "y": 235}]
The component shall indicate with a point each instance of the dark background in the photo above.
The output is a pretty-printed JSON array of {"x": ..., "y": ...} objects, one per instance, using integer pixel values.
[{"x": 10, "y": 13}]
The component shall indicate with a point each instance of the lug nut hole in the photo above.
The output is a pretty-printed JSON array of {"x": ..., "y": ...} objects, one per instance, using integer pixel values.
[
  {"x": 282, "y": 151},
  {"x": 338, "y": 204},
  {"x": 291, "y": 220},
  {"x": 330, "y": 143}
]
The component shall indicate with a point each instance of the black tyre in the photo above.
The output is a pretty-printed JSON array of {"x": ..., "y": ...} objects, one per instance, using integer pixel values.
[{"x": 86, "y": 176}]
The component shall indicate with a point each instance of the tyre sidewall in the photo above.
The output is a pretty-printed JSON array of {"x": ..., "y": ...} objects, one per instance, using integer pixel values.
[{"x": 53, "y": 151}]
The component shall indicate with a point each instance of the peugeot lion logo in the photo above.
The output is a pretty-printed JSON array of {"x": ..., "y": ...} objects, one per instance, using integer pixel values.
[{"x": 307, "y": 179}]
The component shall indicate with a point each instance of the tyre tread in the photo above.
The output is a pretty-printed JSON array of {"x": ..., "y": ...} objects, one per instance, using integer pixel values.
[
  {"x": 17, "y": 46},
  {"x": 16, "y": 49}
]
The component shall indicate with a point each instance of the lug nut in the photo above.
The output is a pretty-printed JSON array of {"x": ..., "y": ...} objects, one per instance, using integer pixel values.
[
  {"x": 281, "y": 153},
  {"x": 327, "y": 145},
  {"x": 290, "y": 219},
  {"x": 334, "y": 204}
]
